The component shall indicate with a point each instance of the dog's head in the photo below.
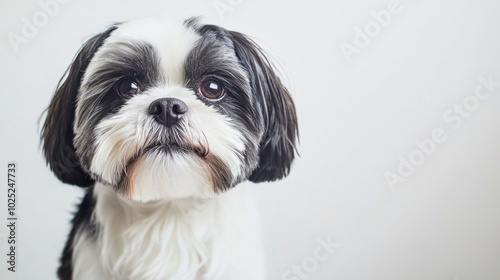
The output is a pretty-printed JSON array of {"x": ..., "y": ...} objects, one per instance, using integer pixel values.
[{"x": 159, "y": 110}]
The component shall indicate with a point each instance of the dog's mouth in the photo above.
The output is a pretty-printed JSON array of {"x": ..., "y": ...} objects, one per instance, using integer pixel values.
[{"x": 170, "y": 148}]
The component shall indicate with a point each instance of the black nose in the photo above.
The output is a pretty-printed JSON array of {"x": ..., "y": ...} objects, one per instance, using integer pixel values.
[{"x": 167, "y": 111}]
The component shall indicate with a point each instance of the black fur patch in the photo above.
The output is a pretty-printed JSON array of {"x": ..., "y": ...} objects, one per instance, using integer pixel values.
[
  {"x": 82, "y": 221},
  {"x": 277, "y": 147},
  {"x": 57, "y": 132}
]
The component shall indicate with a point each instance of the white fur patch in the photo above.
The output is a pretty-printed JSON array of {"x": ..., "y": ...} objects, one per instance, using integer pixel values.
[
  {"x": 157, "y": 176},
  {"x": 178, "y": 239}
]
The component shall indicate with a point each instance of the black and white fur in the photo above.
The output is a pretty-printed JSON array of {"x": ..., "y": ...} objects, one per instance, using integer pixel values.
[{"x": 131, "y": 123}]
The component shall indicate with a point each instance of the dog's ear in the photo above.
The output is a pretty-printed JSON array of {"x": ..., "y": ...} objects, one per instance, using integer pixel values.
[
  {"x": 277, "y": 148},
  {"x": 57, "y": 131}
]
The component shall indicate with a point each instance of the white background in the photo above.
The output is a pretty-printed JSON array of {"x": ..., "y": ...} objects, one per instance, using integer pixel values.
[{"x": 356, "y": 119}]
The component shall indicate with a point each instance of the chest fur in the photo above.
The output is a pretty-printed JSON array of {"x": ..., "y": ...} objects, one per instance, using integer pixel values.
[{"x": 181, "y": 239}]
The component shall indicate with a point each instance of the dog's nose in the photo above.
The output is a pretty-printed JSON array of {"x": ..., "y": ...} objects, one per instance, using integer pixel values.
[{"x": 167, "y": 111}]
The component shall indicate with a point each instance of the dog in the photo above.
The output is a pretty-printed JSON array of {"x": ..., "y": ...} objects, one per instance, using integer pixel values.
[{"x": 159, "y": 121}]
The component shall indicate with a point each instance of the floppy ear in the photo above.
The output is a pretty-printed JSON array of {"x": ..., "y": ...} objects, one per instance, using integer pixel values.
[
  {"x": 277, "y": 147},
  {"x": 57, "y": 131}
]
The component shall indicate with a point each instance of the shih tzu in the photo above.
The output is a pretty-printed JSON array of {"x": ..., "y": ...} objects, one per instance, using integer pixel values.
[{"x": 159, "y": 122}]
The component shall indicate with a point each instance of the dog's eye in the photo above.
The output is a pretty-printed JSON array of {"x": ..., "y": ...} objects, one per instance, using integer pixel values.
[
  {"x": 127, "y": 87},
  {"x": 211, "y": 88}
]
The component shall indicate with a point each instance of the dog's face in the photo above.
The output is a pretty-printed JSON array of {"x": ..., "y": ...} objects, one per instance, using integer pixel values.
[{"x": 160, "y": 111}]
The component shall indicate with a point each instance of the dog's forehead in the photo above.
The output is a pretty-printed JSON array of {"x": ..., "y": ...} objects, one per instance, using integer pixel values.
[{"x": 172, "y": 40}]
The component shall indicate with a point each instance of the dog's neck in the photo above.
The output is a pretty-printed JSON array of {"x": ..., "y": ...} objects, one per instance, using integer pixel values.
[
  {"x": 135, "y": 239},
  {"x": 148, "y": 235}
]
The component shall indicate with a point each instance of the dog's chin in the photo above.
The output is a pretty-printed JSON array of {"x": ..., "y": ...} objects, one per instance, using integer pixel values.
[{"x": 165, "y": 172}]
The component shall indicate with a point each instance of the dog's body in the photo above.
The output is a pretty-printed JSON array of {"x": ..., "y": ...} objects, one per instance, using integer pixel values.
[{"x": 159, "y": 122}]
